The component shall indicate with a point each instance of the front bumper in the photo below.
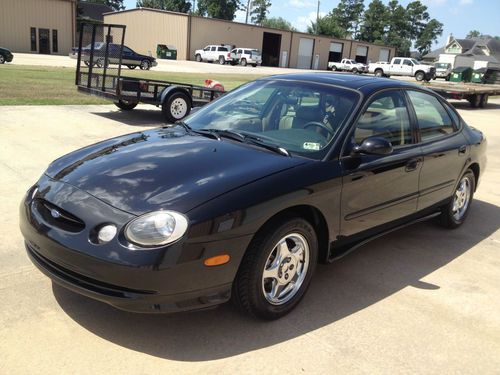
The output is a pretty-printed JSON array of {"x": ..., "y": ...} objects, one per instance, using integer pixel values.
[{"x": 168, "y": 279}]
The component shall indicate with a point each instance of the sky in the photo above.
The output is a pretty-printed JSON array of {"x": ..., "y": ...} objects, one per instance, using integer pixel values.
[{"x": 458, "y": 16}]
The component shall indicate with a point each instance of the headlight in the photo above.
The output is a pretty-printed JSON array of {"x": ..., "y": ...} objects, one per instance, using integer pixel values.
[{"x": 156, "y": 228}]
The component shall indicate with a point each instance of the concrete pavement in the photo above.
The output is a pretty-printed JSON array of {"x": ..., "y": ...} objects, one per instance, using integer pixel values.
[{"x": 420, "y": 300}]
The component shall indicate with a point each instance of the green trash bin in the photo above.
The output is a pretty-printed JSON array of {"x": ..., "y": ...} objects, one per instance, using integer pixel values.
[
  {"x": 168, "y": 52},
  {"x": 461, "y": 74},
  {"x": 478, "y": 75}
]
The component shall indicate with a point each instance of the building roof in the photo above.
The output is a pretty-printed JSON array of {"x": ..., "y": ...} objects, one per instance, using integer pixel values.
[
  {"x": 92, "y": 11},
  {"x": 472, "y": 47}
]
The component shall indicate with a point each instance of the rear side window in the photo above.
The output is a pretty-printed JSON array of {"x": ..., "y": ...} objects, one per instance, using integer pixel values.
[
  {"x": 387, "y": 117},
  {"x": 433, "y": 120},
  {"x": 213, "y": 48},
  {"x": 397, "y": 62},
  {"x": 222, "y": 49}
]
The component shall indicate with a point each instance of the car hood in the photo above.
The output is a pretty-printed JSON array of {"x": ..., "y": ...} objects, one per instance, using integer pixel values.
[{"x": 165, "y": 168}]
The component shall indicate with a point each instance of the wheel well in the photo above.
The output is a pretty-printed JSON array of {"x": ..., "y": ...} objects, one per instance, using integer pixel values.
[
  {"x": 172, "y": 91},
  {"x": 475, "y": 169},
  {"x": 314, "y": 217},
  {"x": 420, "y": 71}
]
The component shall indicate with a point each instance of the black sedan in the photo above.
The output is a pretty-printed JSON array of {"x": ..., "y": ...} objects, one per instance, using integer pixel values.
[
  {"x": 245, "y": 197},
  {"x": 5, "y": 55}
]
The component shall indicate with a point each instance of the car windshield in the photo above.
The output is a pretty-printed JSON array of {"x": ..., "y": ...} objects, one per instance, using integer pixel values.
[
  {"x": 415, "y": 62},
  {"x": 302, "y": 118}
]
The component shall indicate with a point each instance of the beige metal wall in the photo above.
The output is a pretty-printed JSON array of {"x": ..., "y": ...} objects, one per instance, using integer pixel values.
[
  {"x": 148, "y": 28},
  {"x": 211, "y": 31},
  {"x": 18, "y": 16}
]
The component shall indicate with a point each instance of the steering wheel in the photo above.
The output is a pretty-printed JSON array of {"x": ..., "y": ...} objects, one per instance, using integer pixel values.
[{"x": 321, "y": 126}]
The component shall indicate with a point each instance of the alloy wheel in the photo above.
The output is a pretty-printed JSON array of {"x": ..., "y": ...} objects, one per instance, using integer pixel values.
[
  {"x": 461, "y": 199},
  {"x": 285, "y": 269}
]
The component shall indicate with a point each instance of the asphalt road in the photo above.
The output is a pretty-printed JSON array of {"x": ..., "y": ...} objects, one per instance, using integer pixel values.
[{"x": 420, "y": 300}]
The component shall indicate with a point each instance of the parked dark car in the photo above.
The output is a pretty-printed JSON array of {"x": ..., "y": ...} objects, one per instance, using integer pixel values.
[
  {"x": 5, "y": 55},
  {"x": 130, "y": 58},
  {"x": 245, "y": 197}
]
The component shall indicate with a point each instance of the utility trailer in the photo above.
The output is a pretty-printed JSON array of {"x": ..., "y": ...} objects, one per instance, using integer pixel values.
[
  {"x": 176, "y": 99},
  {"x": 476, "y": 94}
]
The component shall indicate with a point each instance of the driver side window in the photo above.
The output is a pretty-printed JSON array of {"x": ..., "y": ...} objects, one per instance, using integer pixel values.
[{"x": 387, "y": 117}]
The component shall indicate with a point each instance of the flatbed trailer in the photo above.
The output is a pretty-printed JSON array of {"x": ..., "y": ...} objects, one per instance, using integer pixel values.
[
  {"x": 476, "y": 94},
  {"x": 176, "y": 99}
]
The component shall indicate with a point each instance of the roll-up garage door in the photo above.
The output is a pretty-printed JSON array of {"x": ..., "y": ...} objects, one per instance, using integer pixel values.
[
  {"x": 361, "y": 54},
  {"x": 335, "y": 53},
  {"x": 306, "y": 46},
  {"x": 383, "y": 55}
]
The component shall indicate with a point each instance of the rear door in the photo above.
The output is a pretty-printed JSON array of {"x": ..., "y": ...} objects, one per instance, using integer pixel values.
[
  {"x": 444, "y": 147},
  {"x": 378, "y": 189},
  {"x": 395, "y": 67}
]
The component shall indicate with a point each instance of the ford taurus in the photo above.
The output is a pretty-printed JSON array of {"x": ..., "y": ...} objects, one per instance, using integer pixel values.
[{"x": 245, "y": 197}]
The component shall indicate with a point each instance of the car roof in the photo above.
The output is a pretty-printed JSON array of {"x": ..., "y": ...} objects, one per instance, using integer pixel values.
[{"x": 364, "y": 84}]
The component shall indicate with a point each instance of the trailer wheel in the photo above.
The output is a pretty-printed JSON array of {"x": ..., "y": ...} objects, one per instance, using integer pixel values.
[
  {"x": 475, "y": 100},
  {"x": 132, "y": 66},
  {"x": 126, "y": 105},
  {"x": 176, "y": 106},
  {"x": 484, "y": 100}
]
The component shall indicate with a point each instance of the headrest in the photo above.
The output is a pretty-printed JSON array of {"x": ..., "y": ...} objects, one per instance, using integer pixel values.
[{"x": 308, "y": 113}]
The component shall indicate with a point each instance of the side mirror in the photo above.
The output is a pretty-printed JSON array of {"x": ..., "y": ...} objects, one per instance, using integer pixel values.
[{"x": 373, "y": 146}]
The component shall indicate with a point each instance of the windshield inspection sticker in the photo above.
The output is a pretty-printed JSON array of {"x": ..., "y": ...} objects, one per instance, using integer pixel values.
[{"x": 311, "y": 146}]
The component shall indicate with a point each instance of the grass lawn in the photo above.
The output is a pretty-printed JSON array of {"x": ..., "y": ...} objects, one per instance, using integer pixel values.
[{"x": 40, "y": 85}]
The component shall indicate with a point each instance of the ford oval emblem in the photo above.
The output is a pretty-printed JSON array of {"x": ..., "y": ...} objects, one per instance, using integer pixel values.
[{"x": 55, "y": 214}]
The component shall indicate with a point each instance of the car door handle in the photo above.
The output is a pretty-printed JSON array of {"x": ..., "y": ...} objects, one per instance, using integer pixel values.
[
  {"x": 462, "y": 150},
  {"x": 412, "y": 164}
]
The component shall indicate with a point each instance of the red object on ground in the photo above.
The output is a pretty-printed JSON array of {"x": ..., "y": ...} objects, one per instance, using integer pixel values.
[{"x": 214, "y": 84}]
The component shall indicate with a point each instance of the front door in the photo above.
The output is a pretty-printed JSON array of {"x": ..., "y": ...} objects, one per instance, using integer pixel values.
[
  {"x": 378, "y": 189},
  {"x": 443, "y": 147},
  {"x": 44, "y": 41}
]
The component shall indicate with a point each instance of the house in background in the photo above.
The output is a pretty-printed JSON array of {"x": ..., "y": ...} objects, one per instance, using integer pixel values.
[{"x": 475, "y": 53}]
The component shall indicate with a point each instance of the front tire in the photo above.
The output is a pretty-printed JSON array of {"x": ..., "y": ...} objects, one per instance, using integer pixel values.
[
  {"x": 276, "y": 269},
  {"x": 244, "y": 62},
  {"x": 419, "y": 76},
  {"x": 2, "y": 59},
  {"x": 454, "y": 213},
  {"x": 198, "y": 57},
  {"x": 145, "y": 65}
]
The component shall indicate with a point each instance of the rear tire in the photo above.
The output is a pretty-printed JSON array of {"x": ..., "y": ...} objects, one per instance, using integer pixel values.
[
  {"x": 454, "y": 213},
  {"x": 254, "y": 65},
  {"x": 484, "y": 101},
  {"x": 379, "y": 73},
  {"x": 176, "y": 107},
  {"x": 475, "y": 100},
  {"x": 222, "y": 60},
  {"x": 126, "y": 105},
  {"x": 281, "y": 258}
]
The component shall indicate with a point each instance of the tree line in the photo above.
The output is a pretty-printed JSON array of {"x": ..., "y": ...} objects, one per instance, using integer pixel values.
[{"x": 402, "y": 27}]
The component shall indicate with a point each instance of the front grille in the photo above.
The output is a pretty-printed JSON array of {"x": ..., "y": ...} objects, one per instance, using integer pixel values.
[{"x": 57, "y": 217}]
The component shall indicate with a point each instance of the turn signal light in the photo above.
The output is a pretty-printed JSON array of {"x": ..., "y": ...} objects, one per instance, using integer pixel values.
[{"x": 217, "y": 260}]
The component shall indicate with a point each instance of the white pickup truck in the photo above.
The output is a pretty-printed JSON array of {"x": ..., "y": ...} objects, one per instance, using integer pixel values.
[
  {"x": 348, "y": 65},
  {"x": 403, "y": 66}
]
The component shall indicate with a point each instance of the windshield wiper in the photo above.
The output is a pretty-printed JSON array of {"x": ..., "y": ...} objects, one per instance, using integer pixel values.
[
  {"x": 251, "y": 139},
  {"x": 204, "y": 132}
]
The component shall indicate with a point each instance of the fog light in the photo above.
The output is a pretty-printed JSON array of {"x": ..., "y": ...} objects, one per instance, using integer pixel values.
[{"x": 106, "y": 233}]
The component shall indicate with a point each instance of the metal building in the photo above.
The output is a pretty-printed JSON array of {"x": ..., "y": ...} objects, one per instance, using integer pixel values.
[
  {"x": 38, "y": 26},
  {"x": 146, "y": 28}
]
